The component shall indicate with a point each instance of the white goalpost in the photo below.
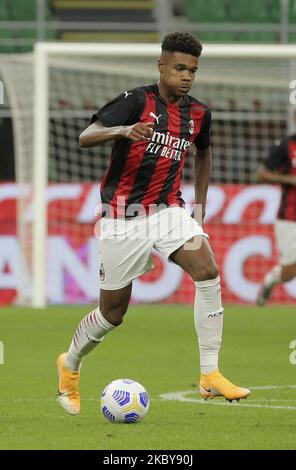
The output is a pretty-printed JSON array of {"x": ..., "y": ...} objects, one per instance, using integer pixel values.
[{"x": 246, "y": 86}]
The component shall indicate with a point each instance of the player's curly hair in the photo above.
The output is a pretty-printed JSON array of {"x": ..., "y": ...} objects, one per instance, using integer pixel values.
[{"x": 182, "y": 42}]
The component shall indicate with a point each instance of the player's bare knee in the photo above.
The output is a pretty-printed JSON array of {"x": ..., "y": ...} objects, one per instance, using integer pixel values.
[
  {"x": 288, "y": 273},
  {"x": 293, "y": 271},
  {"x": 115, "y": 321},
  {"x": 114, "y": 315},
  {"x": 205, "y": 273}
]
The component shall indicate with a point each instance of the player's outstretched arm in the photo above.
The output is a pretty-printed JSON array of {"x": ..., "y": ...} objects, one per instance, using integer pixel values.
[
  {"x": 273, "y": 177},
  {"x": 97, "y": 134}
]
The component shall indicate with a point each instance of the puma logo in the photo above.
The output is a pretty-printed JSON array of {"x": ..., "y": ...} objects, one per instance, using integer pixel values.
[
  {"x": 126, "y": 94},
  {"x": 155, "y": 117}
]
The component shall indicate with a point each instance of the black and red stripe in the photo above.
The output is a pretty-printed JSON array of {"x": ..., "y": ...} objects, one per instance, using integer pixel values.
[
  {"x": 143, "y": 190},
  {"x": 160, "y": 176},
  {"x": 132, "y": 163}
]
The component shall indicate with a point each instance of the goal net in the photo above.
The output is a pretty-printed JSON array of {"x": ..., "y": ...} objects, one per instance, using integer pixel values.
[{"x": 53, "y": 94}]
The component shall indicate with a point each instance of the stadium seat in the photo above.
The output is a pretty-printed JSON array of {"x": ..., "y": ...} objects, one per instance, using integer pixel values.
[
  {"x": 105, "y": 11},
  {"x": 109, "y": 36},
  {"x": 257, "y": 37},
  {"x": 292, "y": 11},
  {"x": 215, "y": 36},
  {"x": 102, "y": 10},
  {"x": 267, "y": 11},
  {"x": 200, "y": 11},
  {"x": 292, "y": 19},
  {"x": 232, "y": 11},
  {"x": 24, "y": 11},
  {"x": 212, "y": 11},
  {"x": 252, "y": 11}
]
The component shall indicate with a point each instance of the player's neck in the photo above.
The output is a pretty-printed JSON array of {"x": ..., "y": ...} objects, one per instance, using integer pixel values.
[{"x": 171, "y": 99}]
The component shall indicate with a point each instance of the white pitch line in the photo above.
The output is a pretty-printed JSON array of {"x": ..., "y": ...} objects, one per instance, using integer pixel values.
[
  {"x": 271, "y": 387},
  {"x": 180, "y": 396},
  {"x": 270, "y": 400}
]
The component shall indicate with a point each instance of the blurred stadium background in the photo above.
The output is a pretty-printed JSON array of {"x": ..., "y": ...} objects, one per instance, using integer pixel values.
[{"x": 249, "y": 97}]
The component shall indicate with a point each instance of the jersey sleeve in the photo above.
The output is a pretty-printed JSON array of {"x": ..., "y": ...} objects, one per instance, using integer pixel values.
[
  {"x": 203, "y": 139},
  {"x": 277, "y": 156},
  {"x": 124, "y": 109}
]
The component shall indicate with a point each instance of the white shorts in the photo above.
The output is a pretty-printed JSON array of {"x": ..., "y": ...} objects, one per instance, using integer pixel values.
[
  {"x": 126, "y": 244},
  {"x": 285, "y": 232}
]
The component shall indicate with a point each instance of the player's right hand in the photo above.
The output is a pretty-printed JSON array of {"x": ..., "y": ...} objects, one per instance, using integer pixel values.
[{"x": 139, "y": 131}]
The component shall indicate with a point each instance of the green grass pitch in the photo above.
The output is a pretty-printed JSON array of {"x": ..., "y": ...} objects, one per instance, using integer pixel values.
[{"x": 157, "y": 346}]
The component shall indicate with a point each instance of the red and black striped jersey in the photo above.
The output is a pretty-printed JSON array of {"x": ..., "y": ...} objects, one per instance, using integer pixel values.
[
  {"x": 282, "y": 158},
  {"x": 148, "y": 173}
]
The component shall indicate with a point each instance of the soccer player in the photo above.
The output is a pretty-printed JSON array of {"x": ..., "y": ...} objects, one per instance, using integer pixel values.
[
  {"x": 280, "y": 168},
  {"x": 153, "y": 128}
]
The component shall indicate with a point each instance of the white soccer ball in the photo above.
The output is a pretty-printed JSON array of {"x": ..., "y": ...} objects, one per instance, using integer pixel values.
[{"x": 124, "y": 401}]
